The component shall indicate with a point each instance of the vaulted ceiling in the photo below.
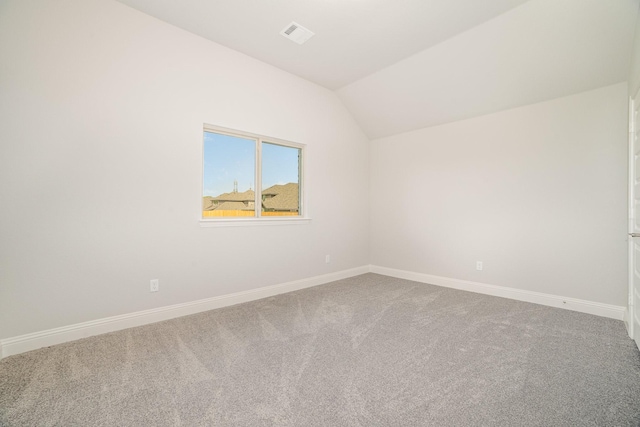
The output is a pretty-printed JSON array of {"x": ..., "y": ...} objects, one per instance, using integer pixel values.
[{"x": 400, "y": 65}]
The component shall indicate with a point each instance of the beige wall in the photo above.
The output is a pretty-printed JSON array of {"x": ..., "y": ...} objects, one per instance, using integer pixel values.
[
  {"x": 537, "y": 193},
  {"x": 101, "y": 119}
]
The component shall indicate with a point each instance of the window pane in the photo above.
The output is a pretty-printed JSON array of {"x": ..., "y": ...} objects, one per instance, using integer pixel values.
[
  {"x": 280, "y": 180},
  {"x": 229, "y": 176}
]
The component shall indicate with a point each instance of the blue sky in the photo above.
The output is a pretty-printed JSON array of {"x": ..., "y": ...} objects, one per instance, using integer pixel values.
[{"x": 228, "y": 158}]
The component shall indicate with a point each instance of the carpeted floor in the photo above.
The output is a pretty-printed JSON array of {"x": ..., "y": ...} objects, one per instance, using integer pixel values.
[{"x": 365, "y": 351}]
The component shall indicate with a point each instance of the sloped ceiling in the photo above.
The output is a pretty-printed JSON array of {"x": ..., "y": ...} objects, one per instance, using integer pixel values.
[
  {"x": 354, "y": 38},
  {"x": 541, "y": 50},
  {"x": 400, "y": 65}
]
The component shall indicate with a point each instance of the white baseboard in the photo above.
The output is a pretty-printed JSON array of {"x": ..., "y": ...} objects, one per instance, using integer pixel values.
[
  {"x": 33, "y": 341},
  {"x": 583, "y": 306},
  {"x": 36, "y": 340}
]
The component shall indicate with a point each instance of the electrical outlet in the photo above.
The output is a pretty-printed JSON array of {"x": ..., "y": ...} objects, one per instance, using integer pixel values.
[
  {"x": 154, "y": 285},
  {"x": 327, "y": 259},
  {"x": 479, "y": 265}
]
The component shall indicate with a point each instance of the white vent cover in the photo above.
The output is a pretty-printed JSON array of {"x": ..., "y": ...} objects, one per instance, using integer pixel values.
[{"x": 297, "y": 33}]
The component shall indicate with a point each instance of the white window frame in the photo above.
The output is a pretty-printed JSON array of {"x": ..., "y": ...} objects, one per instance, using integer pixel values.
[{"x": 257, "y": 220}]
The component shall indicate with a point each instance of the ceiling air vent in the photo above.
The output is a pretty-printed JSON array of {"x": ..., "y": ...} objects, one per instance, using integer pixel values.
[{"x": 297, "y": 33}]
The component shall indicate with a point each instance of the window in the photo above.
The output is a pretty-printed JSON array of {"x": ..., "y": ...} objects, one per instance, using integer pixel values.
[{"x": 250, "y": 176}]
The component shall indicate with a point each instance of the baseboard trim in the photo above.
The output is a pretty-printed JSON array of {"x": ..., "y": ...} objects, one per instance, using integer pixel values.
[
  {"x": 36, "y": 340},
  {"x": 583, "y": 306}
]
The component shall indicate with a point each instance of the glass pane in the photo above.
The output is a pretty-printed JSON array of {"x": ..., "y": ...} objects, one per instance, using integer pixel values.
[
  {"x": 229, "y": 176},
  {"x": 280, "y": 180}
]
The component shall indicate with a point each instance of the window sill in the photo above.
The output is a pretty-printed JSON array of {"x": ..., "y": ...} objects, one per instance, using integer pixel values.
[{"x": 250, "y": 222}]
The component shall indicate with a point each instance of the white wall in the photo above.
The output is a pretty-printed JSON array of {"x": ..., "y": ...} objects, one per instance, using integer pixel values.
[
  {"x": 537, "y": 193},
  {"x": 101, "y": 115},
  {"x": 634, "y": 75}
]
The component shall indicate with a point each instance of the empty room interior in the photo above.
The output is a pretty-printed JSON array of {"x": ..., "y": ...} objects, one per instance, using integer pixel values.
[{"x": 319, "y": 213}]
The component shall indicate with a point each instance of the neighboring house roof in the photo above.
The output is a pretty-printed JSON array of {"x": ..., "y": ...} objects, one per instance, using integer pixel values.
[
  {"x": 284, "y": 197},
  {"x": 279, "y": 198},
  {"x": 233, "y": 206},
  {"x": 247, "y": 196},
  {"x": 207, "y": 203},
  {"x": 230, "y": 201}
]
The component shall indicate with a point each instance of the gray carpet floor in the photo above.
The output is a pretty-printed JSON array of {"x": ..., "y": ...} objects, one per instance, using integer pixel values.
[{"x": 365, "y": 351}]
